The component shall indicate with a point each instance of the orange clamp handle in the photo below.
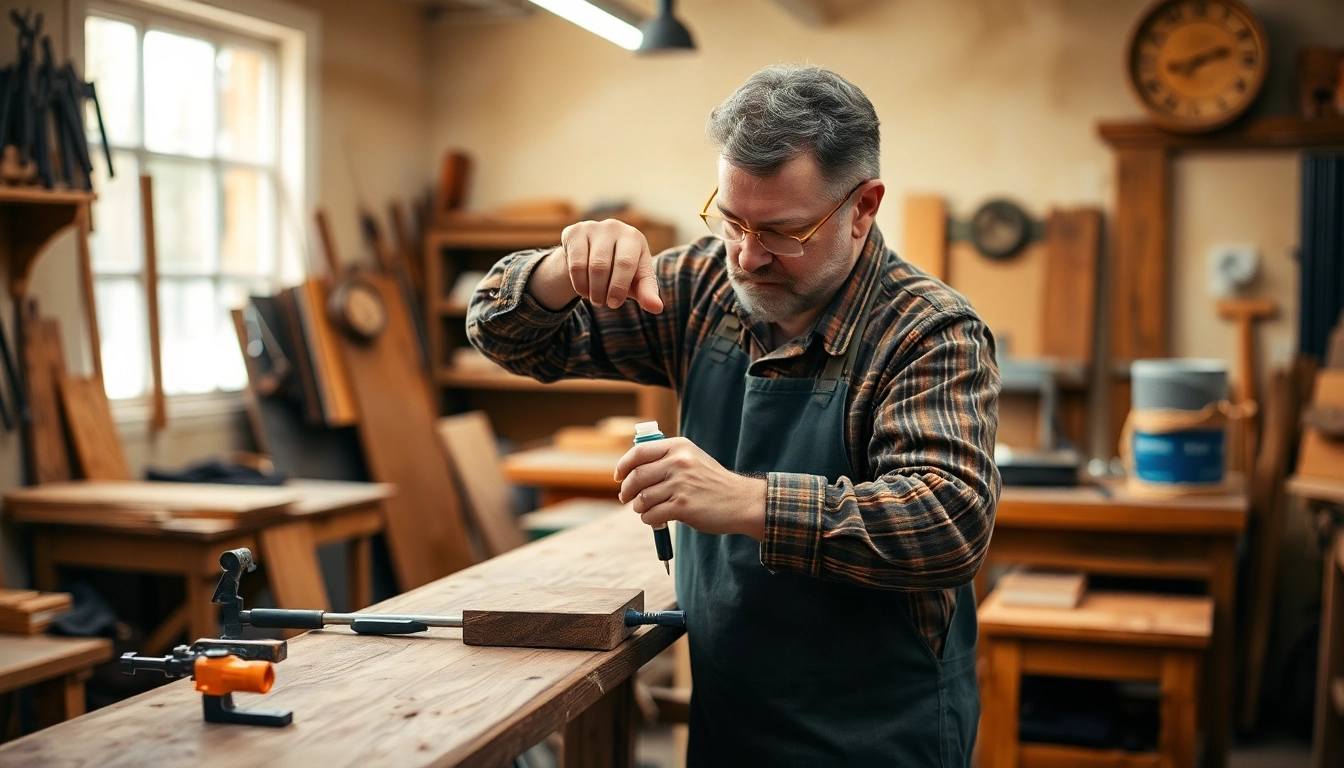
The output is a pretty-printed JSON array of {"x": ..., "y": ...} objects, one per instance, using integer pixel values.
[{"x": 229, "y": 674}]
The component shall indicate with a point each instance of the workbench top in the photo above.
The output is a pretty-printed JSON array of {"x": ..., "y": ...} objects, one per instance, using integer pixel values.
[{"x": 418, "y": 700}]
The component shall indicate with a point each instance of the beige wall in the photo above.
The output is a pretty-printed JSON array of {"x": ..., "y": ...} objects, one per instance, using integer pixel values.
[
  {"x": 977, "y": 98},
  {"x": 373, "y": 96}
]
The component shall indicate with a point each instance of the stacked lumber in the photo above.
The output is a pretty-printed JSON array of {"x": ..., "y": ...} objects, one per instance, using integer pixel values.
[{"x": 26, "y": 612}]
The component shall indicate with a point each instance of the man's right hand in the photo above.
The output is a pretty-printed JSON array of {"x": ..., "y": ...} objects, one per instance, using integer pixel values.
[{"x": 605, "y": 262}]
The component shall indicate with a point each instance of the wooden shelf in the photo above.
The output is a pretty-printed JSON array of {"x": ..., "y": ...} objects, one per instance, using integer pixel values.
[
  {"x": 461, "y": 379},
  {"x": 31, "y": 220},
  {"x": 43, "y": 196},
  {"x": 1275, "y": 132}
]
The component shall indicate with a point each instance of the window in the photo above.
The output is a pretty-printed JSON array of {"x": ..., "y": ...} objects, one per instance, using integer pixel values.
[{"x": 197, "y": 107}]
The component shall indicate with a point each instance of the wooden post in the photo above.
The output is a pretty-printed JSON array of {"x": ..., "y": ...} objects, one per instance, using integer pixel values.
[
  {"x": 1244, "y": 312},
  {"x": 159, "y": 409},
  {"x": 83, "y": 225}
]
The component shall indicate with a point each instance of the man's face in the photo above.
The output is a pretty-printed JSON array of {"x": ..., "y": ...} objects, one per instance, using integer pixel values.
[{"x": 773, "y": 288}]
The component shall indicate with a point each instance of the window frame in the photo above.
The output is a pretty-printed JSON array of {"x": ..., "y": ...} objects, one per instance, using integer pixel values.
[{"x": 290, "y": 35}]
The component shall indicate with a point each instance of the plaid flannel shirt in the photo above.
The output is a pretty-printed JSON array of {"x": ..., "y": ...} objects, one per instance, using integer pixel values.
[{"x": 920, "y": 419}]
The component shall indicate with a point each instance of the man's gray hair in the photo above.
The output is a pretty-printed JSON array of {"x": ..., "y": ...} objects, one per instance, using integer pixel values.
[{"x": 787, "y": 110}]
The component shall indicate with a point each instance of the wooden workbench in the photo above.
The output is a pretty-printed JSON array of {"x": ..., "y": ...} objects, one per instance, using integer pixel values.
[
  {"x": 55, "y": 666},
  {"x": 1110, "y": 531},
  {"x": 323, "y": 512},
  {"x": 415, "y": 700}
]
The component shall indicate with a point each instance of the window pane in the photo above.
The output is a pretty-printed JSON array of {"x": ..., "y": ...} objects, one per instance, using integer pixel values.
[
  {"x": 110, "y": 62},
  {"x": 179, "y": 94},
  {"x": 115, "y": 241},
  {"x": 248, "y": 243},
  {"x": 189, "y": 328},
  {"x": 123, "y": 323},
  {"x": 246, "y": 104},
  {"x": 186, "y": 216}
]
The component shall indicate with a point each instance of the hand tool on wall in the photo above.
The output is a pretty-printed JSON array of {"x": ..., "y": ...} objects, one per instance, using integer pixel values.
[{"x": 481, "y": 626}]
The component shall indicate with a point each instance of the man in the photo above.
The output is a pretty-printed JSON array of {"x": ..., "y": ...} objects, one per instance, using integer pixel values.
[{"x": 834, "y": 479}]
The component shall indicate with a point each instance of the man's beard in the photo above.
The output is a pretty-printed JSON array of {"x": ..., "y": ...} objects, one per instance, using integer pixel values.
[{"x": 770, "y": 296}]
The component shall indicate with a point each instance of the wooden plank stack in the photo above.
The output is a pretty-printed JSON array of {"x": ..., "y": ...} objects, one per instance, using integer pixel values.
[{"x": 26, "y": 612}]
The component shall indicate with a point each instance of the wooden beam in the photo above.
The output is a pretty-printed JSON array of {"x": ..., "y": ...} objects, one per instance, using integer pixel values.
[{"x": 1140, "y": 279}]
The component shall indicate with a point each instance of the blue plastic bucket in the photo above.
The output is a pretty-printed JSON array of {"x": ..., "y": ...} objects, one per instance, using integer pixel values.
[{"x": 1166, "y": 389}]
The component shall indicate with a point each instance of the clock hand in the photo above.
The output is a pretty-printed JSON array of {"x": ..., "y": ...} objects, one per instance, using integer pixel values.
[{"x": 1193, "y": 63}]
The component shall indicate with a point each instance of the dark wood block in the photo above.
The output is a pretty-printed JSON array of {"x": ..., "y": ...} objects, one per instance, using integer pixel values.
[{"x": 581, "y": 618}]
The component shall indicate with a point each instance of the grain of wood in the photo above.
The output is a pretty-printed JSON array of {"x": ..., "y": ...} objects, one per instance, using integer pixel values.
[
  {"x": 44, "y": 364},
  {"x": 1072, "y": 251},
  {"x": 93, "y": 433},
  {"x": 25, "y": 660},
  {"x": 403, "y": 701},
  {"x": 1115, "y": 617},
  {"x": 469, "y": 443},
  {"x": 581, "y": 618},
  {"x": 425, "y": 528}
]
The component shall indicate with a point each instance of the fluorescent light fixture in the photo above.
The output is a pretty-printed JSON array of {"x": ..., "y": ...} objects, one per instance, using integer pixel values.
[{"x": 595, "y": 20}]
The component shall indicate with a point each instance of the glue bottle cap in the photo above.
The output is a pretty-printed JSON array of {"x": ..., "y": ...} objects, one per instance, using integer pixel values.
[{"x": 646, "y": 428}]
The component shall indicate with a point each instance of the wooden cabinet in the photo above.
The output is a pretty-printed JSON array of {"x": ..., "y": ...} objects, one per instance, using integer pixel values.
[{"x": 520, "y": 408}]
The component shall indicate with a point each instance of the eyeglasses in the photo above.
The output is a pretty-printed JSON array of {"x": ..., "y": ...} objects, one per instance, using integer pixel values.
[{"x": 778, "y": 244}]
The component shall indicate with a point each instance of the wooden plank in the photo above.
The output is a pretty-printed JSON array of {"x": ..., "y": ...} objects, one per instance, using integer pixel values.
[
  {"x": 1108, "y": 617},
  {"x": 408, "y": 702},
  {"x": 93, "y": 433},
  {"x": 44, "y": 364},
  {"x": 1269, "y": 507},
  {"x": 1072, "y": 251},
  {"x": 469, "y": 443},
  {"x": 329, "y": 373},
  {"x": 1327, "y": 744},
  {"x": 538, "y": 617},
  {"x": 925, "y": 241},
  {"x": 176, "y": 499},
  {"x": 1092, "y": 660},
  {"x": 86, "y": 288},
  {"x": 1140, "y": 278},
  {"x": 1270, "y": 132},
  {"x": 425, "y": 530},
  {"x": 289, "y": 555},
  {"x": 158, "y": 418},
  {"x": 27, "y": 659},
  {"x": 549, "y": 467}
]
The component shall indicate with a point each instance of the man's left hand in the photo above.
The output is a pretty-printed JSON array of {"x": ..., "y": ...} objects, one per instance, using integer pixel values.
[{"x": 673, "y": 479}]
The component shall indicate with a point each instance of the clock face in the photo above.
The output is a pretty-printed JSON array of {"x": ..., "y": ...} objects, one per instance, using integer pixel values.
[{"x": 1197, "y": 64}]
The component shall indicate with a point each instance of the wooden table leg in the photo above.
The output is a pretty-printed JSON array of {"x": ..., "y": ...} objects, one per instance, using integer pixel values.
[
  {"x": 164, "y": 635},
  {"x": 1180, "y": 694},
  {"x": 998, "y": 747},
  {"x": 1218, "y": 681},
  {"x": 359, "y": 572},
  {"x": 60, "y": 699},
  {"x": 44, "y": 567},
  {"x": 603, "y": 736}
]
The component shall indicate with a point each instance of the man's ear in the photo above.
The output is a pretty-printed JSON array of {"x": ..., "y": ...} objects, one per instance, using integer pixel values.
[{"x": 869, "y": 199}]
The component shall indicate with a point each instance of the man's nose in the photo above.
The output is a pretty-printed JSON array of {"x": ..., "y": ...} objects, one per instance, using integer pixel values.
[{"x": 753, "y": 255}]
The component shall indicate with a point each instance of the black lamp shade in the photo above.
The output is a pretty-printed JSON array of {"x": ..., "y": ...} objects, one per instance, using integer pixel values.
[{"x": 665, "y": 33}]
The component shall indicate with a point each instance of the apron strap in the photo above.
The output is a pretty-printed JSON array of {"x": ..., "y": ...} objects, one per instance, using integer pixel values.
[{"x": 838, "y": 368}]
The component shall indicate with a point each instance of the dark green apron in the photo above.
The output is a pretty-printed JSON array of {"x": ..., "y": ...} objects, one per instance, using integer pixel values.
[{"x": 790, "y": 670}]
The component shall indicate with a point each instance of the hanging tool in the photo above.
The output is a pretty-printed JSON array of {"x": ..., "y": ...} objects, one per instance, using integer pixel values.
[{"x": 221, "y": 668}]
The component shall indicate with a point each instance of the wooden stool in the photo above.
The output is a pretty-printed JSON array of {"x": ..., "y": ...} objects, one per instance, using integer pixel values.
[
  {"x": 58, "y": 667},
  {"x": 1109, "y": 636}
]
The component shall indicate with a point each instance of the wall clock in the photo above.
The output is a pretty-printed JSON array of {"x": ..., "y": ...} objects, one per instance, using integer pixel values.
[
  {"x": 1196, "y": 65},
  {"x": 999, "y": 229}
]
